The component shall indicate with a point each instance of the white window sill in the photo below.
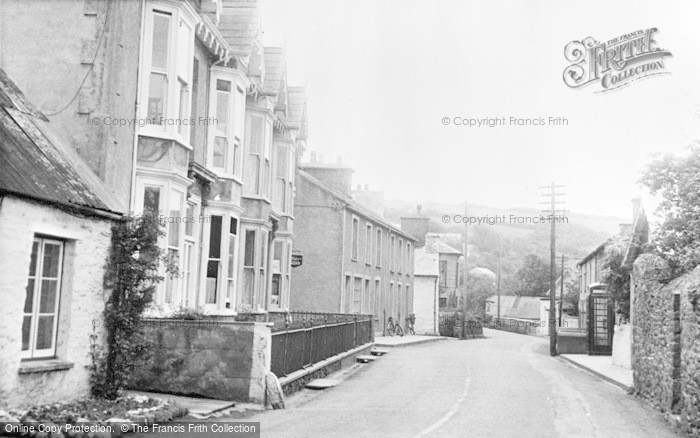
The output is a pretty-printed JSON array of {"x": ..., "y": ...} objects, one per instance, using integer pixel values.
[{"x": 44, "y": 366}]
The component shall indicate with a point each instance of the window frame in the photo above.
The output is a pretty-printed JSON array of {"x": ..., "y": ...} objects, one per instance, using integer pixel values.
[
  {"x": 46, "y": 353},
  {"x": 354, "y": 238},
  {"x": 262, "y": 188},
  {"x": 369, "y": 229},
  {"x": 235, "y": 123},
  {"x": 178, "y": 71}
]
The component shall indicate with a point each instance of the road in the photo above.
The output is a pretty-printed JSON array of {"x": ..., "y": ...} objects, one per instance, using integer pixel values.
[{"x": 505, "y": 385}]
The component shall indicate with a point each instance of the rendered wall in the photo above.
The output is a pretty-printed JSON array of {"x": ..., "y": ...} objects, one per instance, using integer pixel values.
[{"x": 87, "y": 243}]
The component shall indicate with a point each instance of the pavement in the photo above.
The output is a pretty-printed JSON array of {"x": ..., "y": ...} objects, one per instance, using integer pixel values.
[
  {"x": 602, "y": 367},
  {"x": 504, "y": 385},
  {"x": 402, "y": 341}
]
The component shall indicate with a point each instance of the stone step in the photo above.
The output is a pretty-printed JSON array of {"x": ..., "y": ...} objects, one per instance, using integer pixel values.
[{"x": 322, "y": 383}]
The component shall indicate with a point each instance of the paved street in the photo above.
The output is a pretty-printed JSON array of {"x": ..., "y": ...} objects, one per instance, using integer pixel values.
[{"x": 505, "y": 385}]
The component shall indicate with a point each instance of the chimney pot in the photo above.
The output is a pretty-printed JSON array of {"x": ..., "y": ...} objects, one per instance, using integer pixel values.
[
  {"x": 366, "y": 187},
  {"x": 313, "y": 156},
  {"x": 419, "y": 208},
  {"x": 340, "y": 159}
]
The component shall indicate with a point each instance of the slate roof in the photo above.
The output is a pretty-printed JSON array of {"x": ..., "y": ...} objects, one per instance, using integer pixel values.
[
  {"x": 37, "y": 163},
  {"x": 276, "y": 74},
  {"x": 517, "y": 307},
  {"x": 296, "y": 111},
  {"x": 239, "y": 24}
]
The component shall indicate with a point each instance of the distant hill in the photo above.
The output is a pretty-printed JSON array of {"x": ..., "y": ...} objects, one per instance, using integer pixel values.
[{"x": 582, "y": 233}]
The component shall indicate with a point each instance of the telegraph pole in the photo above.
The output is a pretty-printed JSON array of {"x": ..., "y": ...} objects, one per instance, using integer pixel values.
[
  {"x": 552, "y": 194},
  {"x": 464, "y": 276},
  {"x": 561, "y": 290},
  {"x": 498, "y": 287}
]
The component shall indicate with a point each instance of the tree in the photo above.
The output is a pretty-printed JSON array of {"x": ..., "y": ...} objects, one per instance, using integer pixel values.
[
  {"x": 478, "y": 290},
  {"x": 533, "y": 277},
  {"x": 677, "y": 181}
]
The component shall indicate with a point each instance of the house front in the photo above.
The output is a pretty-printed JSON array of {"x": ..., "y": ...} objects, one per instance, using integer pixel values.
[
  {"x": 56, "y": 218},
  {"x": 353, "y": 260}
]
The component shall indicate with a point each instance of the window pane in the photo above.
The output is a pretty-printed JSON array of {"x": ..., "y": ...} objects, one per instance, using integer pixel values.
[
  {"x": 174, "y": 218},
  {"x": 248, "y": 286},
  {"x": 29, "y": 298},
  {"x": 44, "y": 333},
  {"x": 222, "y": 105},
  {"x": 263, "y": 250},
  {"x": 249, "y": 254},
  {"x": 32, "y": 264},
  {"x": 231, "y": 256},
  {"x": 233, "y": 226},
  {"x": 161, "y": 31},
  {"x": 212, "y": 281},
  {"x": 236, "y": 157},
  {"x": 222, "y": 85},
  {"x": 157, "y": 90},
  {"x": 182, "y": 112},
  {"x": 215, "y": 237},
  {"x": 26, "y": 327},
  {"x": 52, "y": 256},
  {"x": 151, "y": 200},
  {"x": 47, "y": 303},
  {"x": 189, "y": 224},
  {"x": 220, "y": 152}
]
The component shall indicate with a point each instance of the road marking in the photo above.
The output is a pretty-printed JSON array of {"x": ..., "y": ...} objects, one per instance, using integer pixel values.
[{"x": 450, "y": 413}]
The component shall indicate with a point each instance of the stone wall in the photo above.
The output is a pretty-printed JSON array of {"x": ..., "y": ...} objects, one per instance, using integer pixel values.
[
  {"x": 666, "y": 340},
  {"x": 652, "y": 352},
  {"x": 690, "y": 352},
  {"x": 207, "y": 358},
  {"x": 86, "y": 247}
]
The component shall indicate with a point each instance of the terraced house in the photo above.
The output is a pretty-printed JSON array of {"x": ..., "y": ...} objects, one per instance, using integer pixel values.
[
  {"x": 354, "y": 260},
  {"x": 183, "y": 113}
]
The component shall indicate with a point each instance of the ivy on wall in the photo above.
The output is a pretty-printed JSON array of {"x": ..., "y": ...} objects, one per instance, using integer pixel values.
[{"x": 131, "y": 276}]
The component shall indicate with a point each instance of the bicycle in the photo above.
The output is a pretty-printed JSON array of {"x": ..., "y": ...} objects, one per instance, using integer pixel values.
[{"x": 392, "y": 328}]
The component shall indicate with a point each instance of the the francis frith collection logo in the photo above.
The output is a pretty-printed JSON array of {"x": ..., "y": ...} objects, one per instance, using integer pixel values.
[{"x": 614, "y": 63}]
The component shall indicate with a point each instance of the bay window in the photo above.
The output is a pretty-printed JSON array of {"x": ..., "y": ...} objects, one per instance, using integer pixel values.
[
  {"x": 221, "y": 263},
  {"x": 258, "y": 171},
  {"x": 167, "y": 70},
  {"x": 227, "y": 108}
]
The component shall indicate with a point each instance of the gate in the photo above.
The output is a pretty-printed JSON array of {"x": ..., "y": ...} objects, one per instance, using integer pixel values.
[{"x": 601, "y": 321}]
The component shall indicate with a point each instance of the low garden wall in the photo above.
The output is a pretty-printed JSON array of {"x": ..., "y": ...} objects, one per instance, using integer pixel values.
[{"x": 209, "y": 358}]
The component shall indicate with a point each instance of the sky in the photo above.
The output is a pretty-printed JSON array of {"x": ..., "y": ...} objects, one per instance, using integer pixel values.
[{"x": 381, "y": 76}]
